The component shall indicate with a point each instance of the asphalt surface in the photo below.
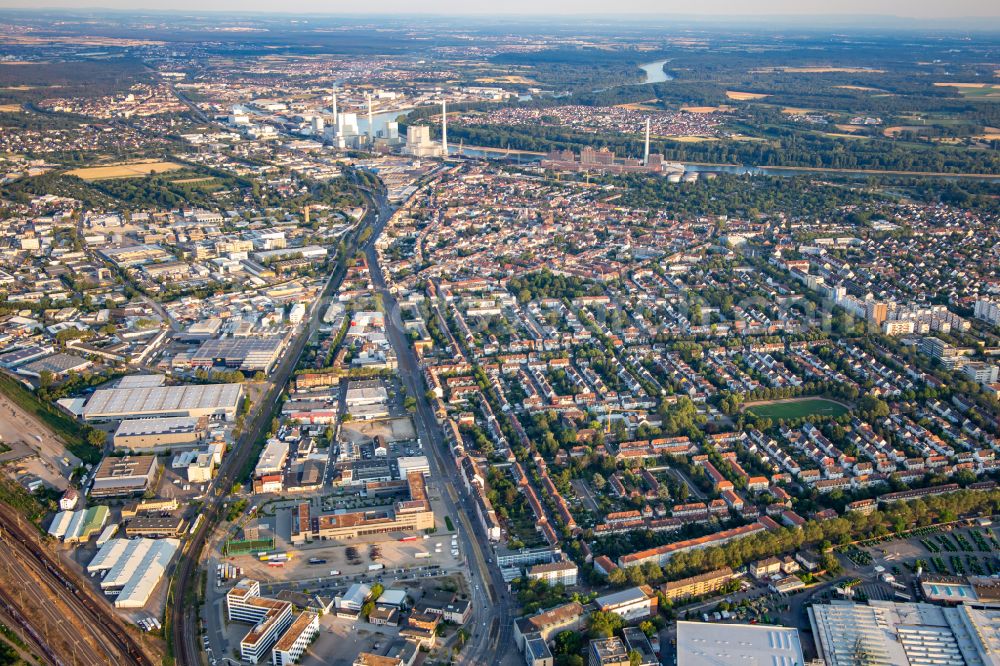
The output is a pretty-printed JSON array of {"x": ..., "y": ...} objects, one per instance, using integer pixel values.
[{"x": 491, "y": 626}]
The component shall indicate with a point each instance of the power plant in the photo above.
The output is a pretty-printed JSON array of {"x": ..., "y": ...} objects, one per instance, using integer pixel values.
[{"x": 418, "y": 138}]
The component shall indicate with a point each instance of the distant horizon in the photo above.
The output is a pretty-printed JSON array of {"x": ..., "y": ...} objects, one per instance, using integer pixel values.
[{"x": 852, "y": 11}]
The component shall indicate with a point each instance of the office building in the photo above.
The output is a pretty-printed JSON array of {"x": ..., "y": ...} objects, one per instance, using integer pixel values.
[
  {"x": 269, "y": 617},
  {"x": 537, "y": 653},
  {"x": 636, "y": 642},
  {"x": 296, "y": 639}
]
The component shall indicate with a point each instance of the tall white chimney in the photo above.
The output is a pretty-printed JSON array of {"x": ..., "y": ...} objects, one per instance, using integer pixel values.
[
  {"x": 371, "y": 122},
  {"x": 336, "y": 116},
  {"x": 444, "y": 129},
  {"x": 645, "y": 156}
]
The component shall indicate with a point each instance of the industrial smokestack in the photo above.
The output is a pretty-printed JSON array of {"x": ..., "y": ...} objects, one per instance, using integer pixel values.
[
  {"x": 645, "y": 155},
  {"x": 371, "y": 122},
  {"x": 444, "y": 129},
  {"x": 336, "y": 117}
]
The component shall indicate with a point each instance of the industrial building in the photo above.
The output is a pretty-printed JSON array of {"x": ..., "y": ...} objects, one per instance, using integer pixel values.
[
  {"x": 886, "y": 633},
  {"x": 159, "y": 434},
  {"x": 131, "y": 475},
  {"x": 132, "y": 568},
  {"x": 705, "y": 644},
  {"x": 367, "y": 400},
  {"x": 247, "y": 354},
  {"x": 73, "y": 526},
  {"x": 211, "y": 400}
]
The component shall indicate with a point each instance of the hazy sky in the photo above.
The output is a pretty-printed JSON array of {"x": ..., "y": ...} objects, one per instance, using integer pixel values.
[{"x": 714, "y": 8}]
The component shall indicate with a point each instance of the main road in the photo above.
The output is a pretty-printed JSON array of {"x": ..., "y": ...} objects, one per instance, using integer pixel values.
[{"x": 491, "y": 626}]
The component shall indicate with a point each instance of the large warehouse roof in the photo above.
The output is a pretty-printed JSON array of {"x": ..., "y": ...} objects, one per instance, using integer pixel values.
[
  {"x": 888, "y": 633},
  {"x": 706, "y": 644},
  {"x": 162, "y": 400},
  {"x": 134, "y": 567}
]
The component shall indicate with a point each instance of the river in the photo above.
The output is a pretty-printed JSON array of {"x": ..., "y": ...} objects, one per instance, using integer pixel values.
[{"x": 654, "y": 72}]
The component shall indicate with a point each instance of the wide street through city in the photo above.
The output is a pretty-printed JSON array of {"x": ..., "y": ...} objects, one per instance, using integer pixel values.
[{"x": 491, "y": 627}]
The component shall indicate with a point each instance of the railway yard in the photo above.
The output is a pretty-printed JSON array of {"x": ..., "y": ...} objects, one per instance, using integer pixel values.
[{"x": 53, "y": 610}]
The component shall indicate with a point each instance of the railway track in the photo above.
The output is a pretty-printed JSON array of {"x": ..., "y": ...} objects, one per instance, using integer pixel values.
[
  {"x": 183, "y": 618},
  {"x": 10, "y": 612},
  {"x": 107, "y": 631}
]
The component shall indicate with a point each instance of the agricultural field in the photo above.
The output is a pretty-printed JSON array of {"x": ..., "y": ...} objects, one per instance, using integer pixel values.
[
  {"x": 979, "y": 91},
  {"x": 742, "y": 96},
  {"x": 124, "y": 170},
  {"x": 796, "y": 409}
]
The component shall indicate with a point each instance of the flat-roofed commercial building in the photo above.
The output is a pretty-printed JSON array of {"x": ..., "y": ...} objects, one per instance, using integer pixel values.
[
  {"x": 160, "y": 434},
  {"x": 412, "y": 515},
  {"x": 296, "y": 639},
  {"x": 706, "y": 644},
  {"x": 888, "y": 633},
  {"x": 249, "y": 354},
  {"x": 155, "y": 525},
  {"x": 696, "y": 586},
  {"x": 634, "y": 603},
  {"x": 272, "y": 458},
  {"x": 211, "y": 400},
  {"x": 131, "y": 475}
]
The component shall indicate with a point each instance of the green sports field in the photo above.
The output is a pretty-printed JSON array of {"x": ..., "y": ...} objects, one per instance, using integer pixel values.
[{"x": 797, "y": 409}]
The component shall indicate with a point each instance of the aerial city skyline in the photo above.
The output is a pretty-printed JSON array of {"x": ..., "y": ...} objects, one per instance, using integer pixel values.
[{"x": 522, "y": 335}]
